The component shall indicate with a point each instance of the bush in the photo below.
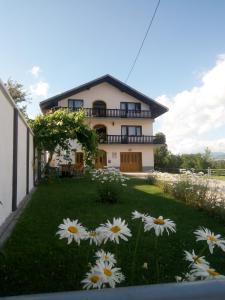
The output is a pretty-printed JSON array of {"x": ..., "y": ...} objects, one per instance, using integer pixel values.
[{"x": 110, "y": 183}]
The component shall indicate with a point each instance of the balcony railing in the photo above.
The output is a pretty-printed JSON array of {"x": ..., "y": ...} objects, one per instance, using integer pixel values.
[
  {"x": 125, "y": 139},
  {"x": 112, "y": 113}
]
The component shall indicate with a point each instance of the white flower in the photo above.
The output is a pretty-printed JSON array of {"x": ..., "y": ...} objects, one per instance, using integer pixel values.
[
  {"x": 93, "y": 279},
  {"x": 114, "y": 231},
  {"x": 109, "y": 274},
  {"x": 95, "y": 236},
  {"x": 204, "y": 234},
  {"x": 194, "y": 258},
  {"x": 205, "y": 272},
  {"x": 105, "y": 257},
  {"x": 159, "y": 225},
  {"x": 72, "y": 230},
  {"x": 145, "y": 266},
  {"x": 138, "y": 215}
]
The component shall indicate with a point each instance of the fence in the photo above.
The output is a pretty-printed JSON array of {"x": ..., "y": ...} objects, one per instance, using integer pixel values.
[
  {"x": 209, "y": 171},
  {"x": 16, "y": 156}
]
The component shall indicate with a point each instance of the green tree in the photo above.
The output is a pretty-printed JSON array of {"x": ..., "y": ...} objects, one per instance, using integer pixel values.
[
  {"x": 19, "y": 95},
  {"x": 53, "y": 132},
  {"x": 161, "y": 152}
]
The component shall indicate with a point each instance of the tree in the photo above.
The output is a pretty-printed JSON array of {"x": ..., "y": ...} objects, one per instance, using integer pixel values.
[
  {"x": 160, "y": 153},
  {"x": 19, "y": 95},
  {"x": 53, "y": 132}
]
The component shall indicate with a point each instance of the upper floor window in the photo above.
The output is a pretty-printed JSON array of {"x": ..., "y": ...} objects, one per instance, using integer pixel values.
[
  {"x": 130, "y": 106},
  {"x": 75, "y": 103}
]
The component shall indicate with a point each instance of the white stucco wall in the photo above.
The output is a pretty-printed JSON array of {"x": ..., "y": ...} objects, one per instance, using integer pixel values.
[
  {"x": 111, "y": 95},
  {"x": 6, "y": 154},
  {"x": 7, "y": 107}
]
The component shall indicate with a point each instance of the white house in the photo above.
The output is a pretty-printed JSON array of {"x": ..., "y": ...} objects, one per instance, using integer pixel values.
[{"x": 123, "y": 118}]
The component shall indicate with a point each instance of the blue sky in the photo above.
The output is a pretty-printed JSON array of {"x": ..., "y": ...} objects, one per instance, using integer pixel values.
[{"x": 72, "y": 42}]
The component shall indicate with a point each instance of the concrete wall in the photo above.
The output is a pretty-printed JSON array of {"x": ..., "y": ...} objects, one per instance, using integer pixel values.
[{"x": 16, "y": 152}]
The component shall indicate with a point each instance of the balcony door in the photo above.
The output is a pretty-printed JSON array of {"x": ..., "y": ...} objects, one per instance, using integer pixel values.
[
  {"x": 101, "y": 132},
  {"x": 99, "y": 109},
  {"x": 130, "y": 109},
  {"x": 129, "y": 133}
]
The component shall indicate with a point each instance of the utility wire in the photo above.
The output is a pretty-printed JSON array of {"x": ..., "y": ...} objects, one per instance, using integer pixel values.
[{"x": 143, "y": 41}]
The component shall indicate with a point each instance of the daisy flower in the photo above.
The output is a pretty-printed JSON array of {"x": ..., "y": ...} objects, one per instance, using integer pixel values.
[
  {"x": 204, "y": 234},
  {"x": 106, "y": 257},
  {"x": 195, "y": 259},
  {"x": 138, "y": 215},
  {"x": 205, "y": 272},
  {"x": 95, "y": 236},
  {"x": 159, "y": 225},
  {"x": 72, "y": 230},
  {"x": 93, "y": 279},
  {"x": 109, "y": 274},
  {"x": 114, "y": 231}
]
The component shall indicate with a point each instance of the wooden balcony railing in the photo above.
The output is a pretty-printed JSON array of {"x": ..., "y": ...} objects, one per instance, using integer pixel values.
[
  {"x": 125, "y": 139},
  {"x": 112, "y": 113}
]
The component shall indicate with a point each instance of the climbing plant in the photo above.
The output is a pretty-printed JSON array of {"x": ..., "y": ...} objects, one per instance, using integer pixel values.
[{"x": 54, "y": 131}]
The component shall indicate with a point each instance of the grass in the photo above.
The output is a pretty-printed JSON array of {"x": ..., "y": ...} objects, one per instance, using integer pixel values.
[
  {"x": 217, "y": 177},
  {"x": 34, "y": 260}
]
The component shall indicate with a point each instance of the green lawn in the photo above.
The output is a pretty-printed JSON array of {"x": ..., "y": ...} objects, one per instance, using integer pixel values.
[
  {"x": 34, "y": 260},
  {"x": 217, "y": 177}
]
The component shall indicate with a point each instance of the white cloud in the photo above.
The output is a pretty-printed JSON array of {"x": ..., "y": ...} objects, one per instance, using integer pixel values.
[
  {"x": 35, "y": 71},
  {"x": 40, "y": 89},
  {"x": 194, "y": 114}
]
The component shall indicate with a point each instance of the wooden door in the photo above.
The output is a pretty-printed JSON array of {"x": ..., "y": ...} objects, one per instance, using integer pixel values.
[
  {"x": 101, "y": 160},
  {"x": 79, "y": 161},
  {"x": 130, "y": 161}
]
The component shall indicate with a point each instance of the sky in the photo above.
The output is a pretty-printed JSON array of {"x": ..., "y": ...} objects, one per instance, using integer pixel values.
[{"x": 51, "y": 46}]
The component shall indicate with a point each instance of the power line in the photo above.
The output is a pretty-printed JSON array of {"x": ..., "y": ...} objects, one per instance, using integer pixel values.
[{"x": 142, "y": 44}]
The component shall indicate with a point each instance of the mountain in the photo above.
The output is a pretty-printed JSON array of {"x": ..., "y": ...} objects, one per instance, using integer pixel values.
[{"x": 218, "y": 155}]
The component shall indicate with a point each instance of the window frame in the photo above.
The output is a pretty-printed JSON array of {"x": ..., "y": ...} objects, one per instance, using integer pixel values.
[
  {"x": 137, "y": 106},
  {"x": 74, "y": 101},
  {"x": 127, "y": 129}
]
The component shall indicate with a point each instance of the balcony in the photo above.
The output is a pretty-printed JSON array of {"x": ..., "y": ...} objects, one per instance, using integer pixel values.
[
  {"x": 125, "y": 139},
  {"x": 112, "y": 113}
]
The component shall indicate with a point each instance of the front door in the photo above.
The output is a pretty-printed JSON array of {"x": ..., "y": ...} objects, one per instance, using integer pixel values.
[{"x": 101, "y": 159}]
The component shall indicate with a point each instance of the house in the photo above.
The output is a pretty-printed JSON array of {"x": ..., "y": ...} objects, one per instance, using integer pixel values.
[{"x": 122, "y": 117}]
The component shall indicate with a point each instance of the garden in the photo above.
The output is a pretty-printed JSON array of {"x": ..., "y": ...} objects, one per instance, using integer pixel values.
[{"x": 105, "y": 230}]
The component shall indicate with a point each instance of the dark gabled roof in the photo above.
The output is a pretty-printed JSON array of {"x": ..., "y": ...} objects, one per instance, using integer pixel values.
[{"x": 156, "y": 108}]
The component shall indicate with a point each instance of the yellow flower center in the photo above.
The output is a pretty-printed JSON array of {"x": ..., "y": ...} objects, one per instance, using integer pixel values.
[
  {"x": 107, "y": 272},
  {"x": 92, "y": 233},
  {"x": 211, "y": 238},
  {"x": 94, "y": 278},
  {"x": 212, "y": 273},
  {"x": 197, "y": 259},
  {"x": 115, "y": 229},
  {"x": 72, "y": 229},
  {"x": 159, "y": 221}
]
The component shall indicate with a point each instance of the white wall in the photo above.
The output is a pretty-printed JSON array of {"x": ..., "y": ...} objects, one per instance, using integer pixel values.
[
  {"x": 22, "y": 161},
  {"x": 7, "y": 107},
  {"x": 6, "y": 154},
  {"x": 106, "y": 92}
]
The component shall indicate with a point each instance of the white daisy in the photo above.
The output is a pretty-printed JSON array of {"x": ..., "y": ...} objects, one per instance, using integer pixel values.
[
  {"x": 95, "y": 236},
  {"x": 138, "y": 215},
  {"x": 194, "y": 258},
  {"x": 159, "y": 225},
  {"x": 114, "y": 231},
  {"x": 109, "y": 274},
  {"x": 72, "y": 230},
  {"x": 205, "y": 272},
  {"x": 105, "y": 257},
  {"x": 93, "y": 279},
  {"x": 204, "y": 234}
]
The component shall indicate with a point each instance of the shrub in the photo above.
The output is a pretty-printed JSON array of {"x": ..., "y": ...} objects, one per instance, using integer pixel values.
[
  {"x": 151, "y": 180},
  {"x": 110, "y": 183}
]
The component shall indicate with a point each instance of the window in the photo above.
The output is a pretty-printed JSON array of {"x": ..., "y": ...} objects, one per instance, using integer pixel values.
[
  {"x": 75, "y": 103},
  {"x": 130, "y": 106},
  {"x": 131, "y": 130}
]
